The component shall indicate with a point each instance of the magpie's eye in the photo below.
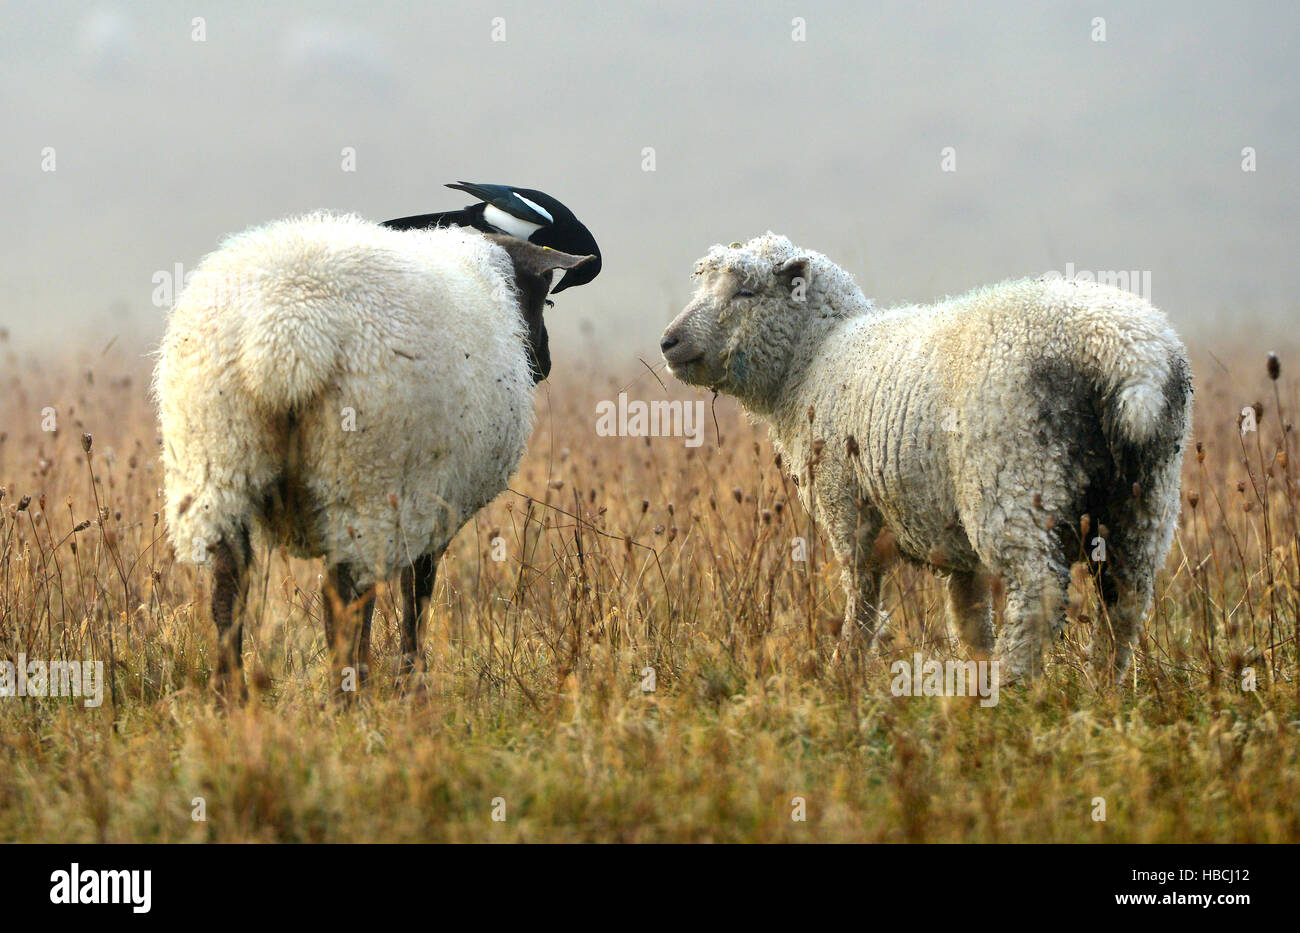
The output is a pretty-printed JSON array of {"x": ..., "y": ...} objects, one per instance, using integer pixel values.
[{"x": 743, "y": 293}]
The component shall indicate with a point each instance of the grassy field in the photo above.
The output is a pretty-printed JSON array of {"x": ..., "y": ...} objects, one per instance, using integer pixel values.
[{"x": 629, "y": 563}]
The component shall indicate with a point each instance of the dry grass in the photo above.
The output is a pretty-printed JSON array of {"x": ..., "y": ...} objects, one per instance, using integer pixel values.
[{"x": 623, "y": 555}]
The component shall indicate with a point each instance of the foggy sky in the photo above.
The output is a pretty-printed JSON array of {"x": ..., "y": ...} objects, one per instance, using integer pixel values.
[{"x": 1116, "y": 155}]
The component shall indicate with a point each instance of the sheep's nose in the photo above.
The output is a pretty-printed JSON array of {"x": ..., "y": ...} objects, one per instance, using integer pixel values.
[{"x": 667, "y": 344}]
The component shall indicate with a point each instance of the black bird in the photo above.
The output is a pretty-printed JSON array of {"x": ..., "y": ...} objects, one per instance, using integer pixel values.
[{"x": 522, "y": 213}]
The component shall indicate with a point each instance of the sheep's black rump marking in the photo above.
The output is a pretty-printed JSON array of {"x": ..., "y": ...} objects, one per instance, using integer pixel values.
[
  {"x": 1078, "y": 423},
  {"x": 287, "y": 509}
]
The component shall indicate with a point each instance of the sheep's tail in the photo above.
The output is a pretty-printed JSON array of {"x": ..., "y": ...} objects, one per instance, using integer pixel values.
[
  {"x": 1148, "y": 408},
  {"x": 288, "y": 351}
]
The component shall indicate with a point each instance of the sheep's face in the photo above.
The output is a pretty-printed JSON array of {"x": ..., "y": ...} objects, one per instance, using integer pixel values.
[{"x": 734, "y": 335}]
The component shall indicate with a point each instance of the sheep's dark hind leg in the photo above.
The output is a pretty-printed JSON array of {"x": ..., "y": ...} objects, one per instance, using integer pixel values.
[
  {"x": 1126, "y": 583},
  {"x": 417, "y": 591},
  {"x": 228, "y": 564},
  {"x": 347, "y": 614}
]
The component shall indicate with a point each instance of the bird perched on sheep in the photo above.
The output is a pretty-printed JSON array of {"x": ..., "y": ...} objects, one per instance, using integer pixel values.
[
  {"x": 527, "y": 215},
  {"x": 1008, "y": 433},
  {"x": 352, "y": 392},
  {"x": 524, "y": 213}
]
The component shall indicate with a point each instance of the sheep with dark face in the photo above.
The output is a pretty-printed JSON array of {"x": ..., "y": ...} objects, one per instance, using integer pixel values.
[
  {"x": 352, "y": 392},
  {"x": 1010, "y": 432}
]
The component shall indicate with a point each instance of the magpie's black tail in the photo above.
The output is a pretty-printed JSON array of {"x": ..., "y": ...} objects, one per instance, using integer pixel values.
[{"x": 465, "y": 217}]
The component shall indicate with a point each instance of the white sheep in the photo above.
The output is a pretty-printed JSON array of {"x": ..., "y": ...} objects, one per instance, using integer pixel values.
[
  {"x": 1009, "y": 432},
  {"x": 352, "y": 392}
]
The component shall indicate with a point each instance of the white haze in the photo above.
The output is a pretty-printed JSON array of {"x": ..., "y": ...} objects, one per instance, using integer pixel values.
[{"x": 1122, "y": 155}]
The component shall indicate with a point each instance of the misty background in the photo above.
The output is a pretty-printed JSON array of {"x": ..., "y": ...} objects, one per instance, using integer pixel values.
[{"x": 1117, "y": 155}]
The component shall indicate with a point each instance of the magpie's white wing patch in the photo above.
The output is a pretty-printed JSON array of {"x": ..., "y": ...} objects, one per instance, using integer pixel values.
[{"x": 508, "y": 223}]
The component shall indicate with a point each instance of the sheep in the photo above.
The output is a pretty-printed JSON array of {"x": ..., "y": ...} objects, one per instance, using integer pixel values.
[
  {"x": 1005, "y": 434},
  {"x": 351, "y": 392}
]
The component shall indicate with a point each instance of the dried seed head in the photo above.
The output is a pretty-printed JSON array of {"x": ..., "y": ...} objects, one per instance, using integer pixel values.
[
  {"x": 1274, "y": 367},
  {"x": 1084, "y": 524},
  {"x": 645, "y": 506},
  {"x": 86, "y": 442},
  {"x": 1193, "y": 499},
  {"x": 738, "y": 494},
  {"x": 23, "y": 503},
  {"x": 811, "y": 414},
  {"x": 1038, "y": 500},
  {"x": 852, "y": 444}
]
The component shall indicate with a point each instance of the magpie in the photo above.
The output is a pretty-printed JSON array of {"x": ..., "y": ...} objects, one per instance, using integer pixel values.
[{"x": 521, "y": 213}]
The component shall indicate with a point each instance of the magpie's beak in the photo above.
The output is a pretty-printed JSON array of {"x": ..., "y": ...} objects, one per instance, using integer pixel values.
[{"x": 583, "y": 246}]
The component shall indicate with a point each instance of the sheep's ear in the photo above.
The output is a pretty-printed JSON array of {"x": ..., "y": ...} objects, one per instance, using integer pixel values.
[
  {"x": 791, "y": 269},
  {"x": 537, "y": 261}
]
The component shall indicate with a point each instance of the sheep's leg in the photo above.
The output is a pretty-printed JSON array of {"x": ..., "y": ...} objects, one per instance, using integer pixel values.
[
  {"x": 1034, "y": 605},
  {"x": 417, "y": 590},
  {"x": 862, "y": 616},
  {"x": 227, "y": 595},
  {"x": 970, "y": 611},
  {"x": 346, "y": 619},
  {"x": 853, "y": 527},
  {"x": 367, "y": 610},
  {"x": 1115, "y": 631}
]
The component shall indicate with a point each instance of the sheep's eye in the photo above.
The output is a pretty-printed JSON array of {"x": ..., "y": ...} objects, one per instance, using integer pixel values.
[{"x": 743, "y": 293}]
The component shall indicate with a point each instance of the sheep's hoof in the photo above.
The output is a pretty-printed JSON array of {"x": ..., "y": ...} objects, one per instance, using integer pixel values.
[
  {"x": 1015, "y": 674},
  {"x": 230, "y": 689},
  {"x": 413, "y": 687},
  {"x": 883, "y": 641},
  {"x": 411, "y": 683}
]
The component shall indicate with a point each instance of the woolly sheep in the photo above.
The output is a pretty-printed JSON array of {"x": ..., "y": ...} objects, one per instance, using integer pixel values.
[
  {"x": 352, "y": 392},
  {"x": 997, "y": 434}
]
